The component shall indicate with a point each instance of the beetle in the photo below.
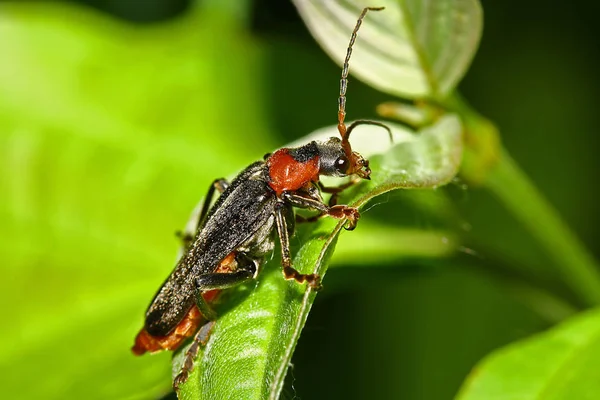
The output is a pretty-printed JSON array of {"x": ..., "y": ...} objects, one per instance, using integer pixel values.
[{"x": 233, "y": 236}]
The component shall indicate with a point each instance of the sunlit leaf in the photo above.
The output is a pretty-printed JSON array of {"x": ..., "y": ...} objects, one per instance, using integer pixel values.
[
  {"x": 106, "y": 133},
  {"x": 413, "y": 48},
  {"x": 559, "y": 364}
]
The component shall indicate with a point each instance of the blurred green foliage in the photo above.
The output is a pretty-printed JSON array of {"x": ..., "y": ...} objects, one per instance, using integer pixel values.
[
  {"x": 107, "y": 134},
  {"x": 110, "y": 133}
]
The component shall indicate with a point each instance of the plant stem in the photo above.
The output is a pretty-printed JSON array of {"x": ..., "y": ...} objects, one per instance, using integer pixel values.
[
  {"x": 488, "y": 164},
  {"x": 574, "y": 262}
]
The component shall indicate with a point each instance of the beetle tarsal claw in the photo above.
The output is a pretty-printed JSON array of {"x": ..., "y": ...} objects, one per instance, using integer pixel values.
[
  {"x": 351, "y": 214},
  {"x": 313, "y": 280}
]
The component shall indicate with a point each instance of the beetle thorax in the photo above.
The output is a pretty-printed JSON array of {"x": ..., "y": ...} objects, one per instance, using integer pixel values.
[{"x": 292, "y": 169}]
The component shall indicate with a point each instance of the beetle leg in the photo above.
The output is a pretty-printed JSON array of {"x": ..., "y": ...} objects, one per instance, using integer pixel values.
[
  {"x": 338, "y": 211},
  {"x": 205, "y": 309},
  {"x": 218, "y": 184},
  {"x": 313, "y": 280},
  {"x": 186, "y": 238},
  {"x": 245, "y": 270},
  {"x": 336, "y": 190},
  {"x": 309, "y": 192},
  {"x": 300, "y": 219},
  {"x": 224, "y": 280},
  {"x": 200, "y": 340}
]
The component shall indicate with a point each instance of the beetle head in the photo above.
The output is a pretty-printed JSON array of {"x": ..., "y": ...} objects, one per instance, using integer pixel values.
[{"x": 336, "y": 158}]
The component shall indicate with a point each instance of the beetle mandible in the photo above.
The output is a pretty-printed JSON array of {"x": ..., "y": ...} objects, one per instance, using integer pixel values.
[{"x": 234, "y": 235}]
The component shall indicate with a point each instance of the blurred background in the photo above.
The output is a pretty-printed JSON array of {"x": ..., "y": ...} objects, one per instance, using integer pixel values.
[{"x": 116, "y": 115}]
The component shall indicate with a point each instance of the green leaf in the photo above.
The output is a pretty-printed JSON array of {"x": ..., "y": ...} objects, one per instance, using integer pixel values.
[
  {"x": 413, "y": 48},
  {"x": 559, "y": 364},
  {"x": 379, "y": 244},
  {"x": 106, "y": 131},
  {"x": 251, "y": 347}
]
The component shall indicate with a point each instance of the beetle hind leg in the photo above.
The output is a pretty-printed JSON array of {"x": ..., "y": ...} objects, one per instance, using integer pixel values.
[
  {"x": 313, "y": 280},
  {"x": 233, "y": 270},
  {"x": 200, "y": 340},
  {"x": 243, "y": 268}
]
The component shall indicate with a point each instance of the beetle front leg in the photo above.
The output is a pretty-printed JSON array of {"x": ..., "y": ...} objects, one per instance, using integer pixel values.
[
  {"x": 338, "y": 211},
  {"x": 313, "y": 280},
  {"x": 336, "y": 190}
]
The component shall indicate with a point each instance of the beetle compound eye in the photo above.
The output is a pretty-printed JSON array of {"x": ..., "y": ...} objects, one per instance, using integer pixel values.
[{"x": 341, "y": 164}]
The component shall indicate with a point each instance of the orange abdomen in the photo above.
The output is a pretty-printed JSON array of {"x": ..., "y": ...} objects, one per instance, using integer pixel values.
[{"x": 144, "y": 342}]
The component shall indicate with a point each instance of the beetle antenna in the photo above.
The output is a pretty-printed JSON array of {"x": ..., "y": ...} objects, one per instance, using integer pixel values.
[
  {"x": 369, "y": 122},
  {"x": 344, "y": 80}
]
